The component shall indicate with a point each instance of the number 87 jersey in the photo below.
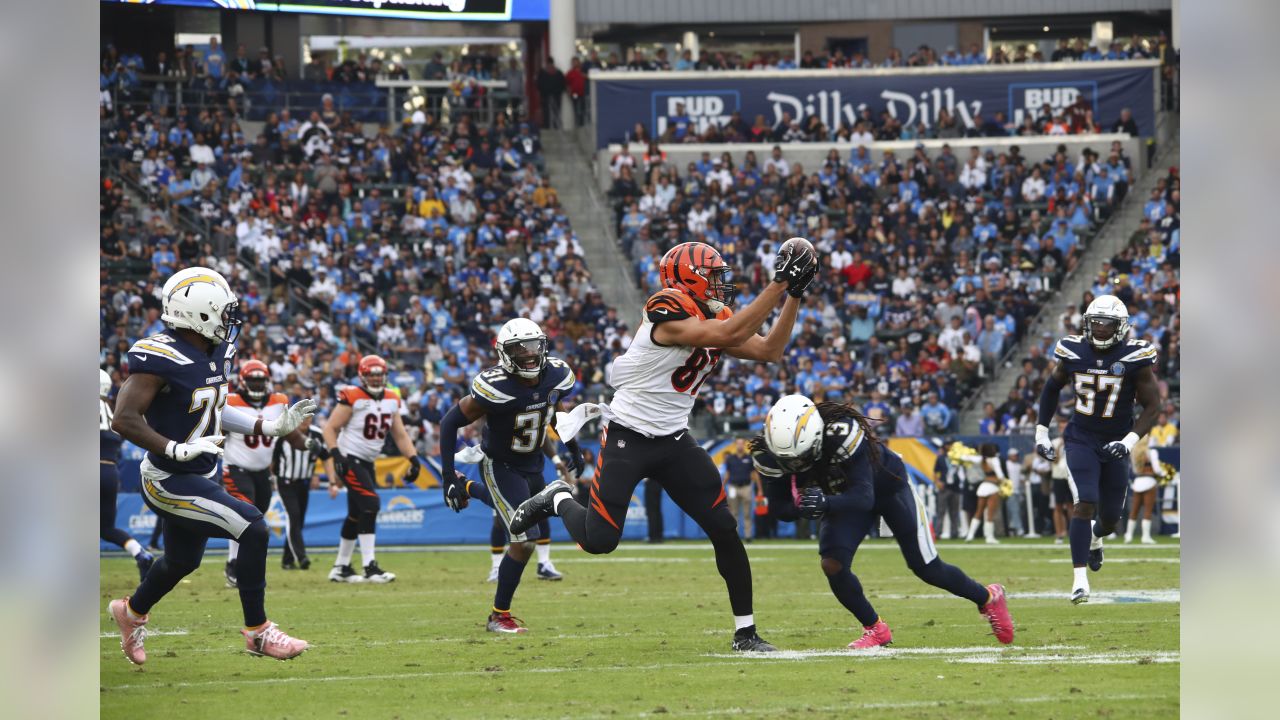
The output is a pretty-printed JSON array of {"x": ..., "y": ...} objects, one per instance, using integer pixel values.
[
  {"x": 371, "y": 418},
  {"x": 656, "y": 384}
]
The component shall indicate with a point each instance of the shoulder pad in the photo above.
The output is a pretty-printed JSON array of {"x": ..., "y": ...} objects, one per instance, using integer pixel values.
[
  {"x": 1066, "y": 350},
  {"x": 159, "y": 346},
  {"x": 765, "y": 465},
  {"x": 393, "y": 393},
  {"x": 350, "y": 394},
  {"x": 567, "y": 379},
  {"x": 234, "y": 400},
  {"x": 278, "y": 399},
  {"x": 842, "y": 439},
  {"x": 1141, "y": 352},
  {"x": 484, "y": 387},
  {"x": 666, "y": 305}
]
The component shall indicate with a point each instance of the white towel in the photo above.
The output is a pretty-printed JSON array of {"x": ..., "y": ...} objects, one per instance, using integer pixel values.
[{"x": 569, "y": 423}]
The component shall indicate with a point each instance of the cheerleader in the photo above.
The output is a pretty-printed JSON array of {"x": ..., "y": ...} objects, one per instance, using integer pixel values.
[
  {"x": 1146, "y": 464},
  {"x": 988, "y": 493}
]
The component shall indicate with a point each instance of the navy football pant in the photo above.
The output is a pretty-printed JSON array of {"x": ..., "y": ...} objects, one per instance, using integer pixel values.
[
  {"x": 1097, "y": 480},
  {"x": 503, "y": 488},
  {"x": 108, "y": 486},
  {"x": 686, "y": 472},
  {"x": 194, "y": 509},
  {"x": 842, "y": 533}
]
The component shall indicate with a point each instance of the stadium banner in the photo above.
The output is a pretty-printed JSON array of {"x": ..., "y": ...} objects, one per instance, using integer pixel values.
[
  {"x": 416, "y": 516},
  {"x": 911, "y": 95},
  {"x": 485, "y": 10}
]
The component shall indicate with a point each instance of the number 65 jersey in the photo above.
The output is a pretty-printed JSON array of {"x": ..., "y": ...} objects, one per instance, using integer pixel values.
[
  {"x": 1104, "y": 382},
  {"x": 516, "y": 415},
  {"x": 371, "y": 418},
  {"x": 656, "y": 384}
]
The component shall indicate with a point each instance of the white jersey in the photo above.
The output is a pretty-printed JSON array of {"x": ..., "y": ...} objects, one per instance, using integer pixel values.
[
  {"x": 657, "y": 384},
  {"x": 253, "y": 452},
  {"x": 366, "y": 432}
]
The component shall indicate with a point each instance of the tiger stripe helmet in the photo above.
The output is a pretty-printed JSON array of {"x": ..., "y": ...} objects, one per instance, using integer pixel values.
[
  {"x": 696, "y": 269},
  {"x": 373, "y": 373},
  {"x": 254, "y": 376}
]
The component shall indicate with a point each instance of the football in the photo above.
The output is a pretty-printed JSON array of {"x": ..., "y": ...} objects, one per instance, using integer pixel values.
[{"x": 797, "y": 244}]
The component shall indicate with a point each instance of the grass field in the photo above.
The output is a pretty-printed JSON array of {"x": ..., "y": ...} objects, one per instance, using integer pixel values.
[{"x": 646, "y": 631}]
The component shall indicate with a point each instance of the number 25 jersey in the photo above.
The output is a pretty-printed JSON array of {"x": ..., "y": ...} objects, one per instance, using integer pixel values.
[
  {"x": 1104, "y": 382},
  {"x": 371, "y": 418},
  {"x": 189, "y": 406},
  {"x": 656, "y": 384}
]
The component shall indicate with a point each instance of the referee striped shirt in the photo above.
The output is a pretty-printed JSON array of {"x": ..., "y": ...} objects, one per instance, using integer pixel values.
[{"x": 293, "y": 465}]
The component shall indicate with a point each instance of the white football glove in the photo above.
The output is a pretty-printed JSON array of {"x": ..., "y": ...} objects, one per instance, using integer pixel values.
[
  {"x": 182, "y": 452},
  {"x": 290, "y": 419},
  {"x": 1044, "y": 448}
]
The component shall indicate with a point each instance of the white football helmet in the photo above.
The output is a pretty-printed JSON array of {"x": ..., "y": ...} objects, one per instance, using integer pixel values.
[
  {"x": 104, "y": 383},
  {"x": 793, "y": 433},
  {"x": 522, "y": 348},
  {"x": 1106, "y": 311},
  {"x": 200, "y": 299}
]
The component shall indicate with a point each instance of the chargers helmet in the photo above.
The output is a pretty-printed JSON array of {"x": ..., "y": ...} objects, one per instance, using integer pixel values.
[
  {"x": 793, "y": 432},
  {"x": 522, "y": 348},
  {"x": 200, "y": 299},
  {"x": 104, "y": 383},
  {"x": 254, "y": 379},
  {"x": 1106, "y": 311}
]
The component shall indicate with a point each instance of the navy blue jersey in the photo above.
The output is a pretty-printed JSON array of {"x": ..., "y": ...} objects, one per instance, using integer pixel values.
[
  {"x": 189, "y": 406},
  {"x": 108, "y": 440},
  {"x": 1104, "y": 382},
  {"x": 518, "y": 414}
]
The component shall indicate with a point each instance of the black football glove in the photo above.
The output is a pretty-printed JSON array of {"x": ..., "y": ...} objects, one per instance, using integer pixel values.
[
  {"x": 813, "y": 502},
  {"x": 576, "y": 465},
  {"x": 1116, "y": 449},
  {"x": 796, "y": 270},
  {"x": 415, "y": 467},
  {"x": 317, "y": 448},
  {"x": 455, "y": 496}
]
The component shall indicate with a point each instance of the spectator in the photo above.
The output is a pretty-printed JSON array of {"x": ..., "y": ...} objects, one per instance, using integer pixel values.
[{"x": 551, "y": 86}]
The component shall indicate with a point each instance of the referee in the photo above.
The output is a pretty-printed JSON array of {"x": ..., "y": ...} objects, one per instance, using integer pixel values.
[{"x": 295, "y": 478}]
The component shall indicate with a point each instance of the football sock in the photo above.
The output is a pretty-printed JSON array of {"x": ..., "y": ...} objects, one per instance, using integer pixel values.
[
  {"x": 251, "y": 573},
  {"x": 134, "y": 548},
  {"x": 497, "y": 534},
  {"x": 954, "y": 580},
  {"x": 574, "y": 517},
  {"x": 1081, "y": 535},
  {"x": 509, "y": 573},
  {"x": 1128, "y": 531},
  {"x": 366, "y": 548},
  {"x": 479, "y": 491},
  {"x": 544, "y": 552},
  {"x": 848, "y": 590},
  {"x": 1146, "y": 529},
  {"x": 233, "y": 550},
  {"x": 559, "y": 498},
  {"x": 496, "y": 555},
  {"x": 1081, "y": 578},
  {"x": 346, "y": 546},
  {"x": 743, "y": 621}
]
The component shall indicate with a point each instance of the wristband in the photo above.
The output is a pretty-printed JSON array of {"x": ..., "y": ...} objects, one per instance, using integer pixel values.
[{"x": 1130, "y": 440}]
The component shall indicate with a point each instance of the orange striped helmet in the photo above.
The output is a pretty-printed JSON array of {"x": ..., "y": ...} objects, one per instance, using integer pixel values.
[
  {"x": 698, "y": 270},
  {"x": 373, "y": 373},
  {"x": 254, "y": 376}
]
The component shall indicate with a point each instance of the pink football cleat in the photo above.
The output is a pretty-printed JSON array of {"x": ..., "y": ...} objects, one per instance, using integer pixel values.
[
  {"x": 503, "y": 622},
  {"x": 133, "y": 633},
  {"x": 270, "y": 641},
  {"x": 873, "y": 636},
  {"x": 996, "y": 611}
]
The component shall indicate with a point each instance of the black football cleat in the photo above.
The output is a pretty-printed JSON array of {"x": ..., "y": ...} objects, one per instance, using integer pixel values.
[
  {"x": 230, "y": 573},
  {"x": 288, "y": 565},
  {"x": 537, "y": 508},
  {"x": 1095, "y": 560},
  {"x": 747, "y": 640},
  {"x": 305, "y": 563},
  {"x": 145, "y": 560}
]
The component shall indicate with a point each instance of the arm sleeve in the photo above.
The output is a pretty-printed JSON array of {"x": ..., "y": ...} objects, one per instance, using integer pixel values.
[
  {"x": 778, "y": 492},
  {"x": 237, "y": 420},
  {"x": 1048, "y": 401},
  {"x": 449, "y": 426}
]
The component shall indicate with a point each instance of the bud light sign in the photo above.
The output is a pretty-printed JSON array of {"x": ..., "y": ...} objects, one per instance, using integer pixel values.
[{"x": 689, "y": 102}]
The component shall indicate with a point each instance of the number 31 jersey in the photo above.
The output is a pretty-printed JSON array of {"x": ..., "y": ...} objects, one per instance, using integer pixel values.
[
  {"x": 656, "y": 384},
  {"x": 516, "y": 414},
  {"x": 371, "y": 418},
  {"x": 253, "y": 452},
  {"x": 1104, "y": 382}
]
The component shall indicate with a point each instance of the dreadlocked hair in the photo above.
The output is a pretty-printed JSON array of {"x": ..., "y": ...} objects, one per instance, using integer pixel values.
[{"x": 834, "y": 412}]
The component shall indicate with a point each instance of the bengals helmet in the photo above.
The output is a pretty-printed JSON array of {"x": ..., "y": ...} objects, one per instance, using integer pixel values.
[
  {"x": 373, "y": 373},
  {"x": 698, "y": 270},
  {"x": 254, "y": 377}
]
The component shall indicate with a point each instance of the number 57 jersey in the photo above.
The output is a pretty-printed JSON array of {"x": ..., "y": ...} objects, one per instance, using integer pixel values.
[
  {"x": 371, "y": 418},
  {"x": 656, "y": 384},
  {"x": 1104, "y": 382}
]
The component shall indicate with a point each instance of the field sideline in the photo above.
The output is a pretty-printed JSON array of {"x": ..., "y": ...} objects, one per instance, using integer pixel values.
[{"x": 646, "y": 631}]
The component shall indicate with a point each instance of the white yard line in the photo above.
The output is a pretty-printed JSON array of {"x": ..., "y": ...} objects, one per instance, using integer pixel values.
[{"x": 150, "y": 632}]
